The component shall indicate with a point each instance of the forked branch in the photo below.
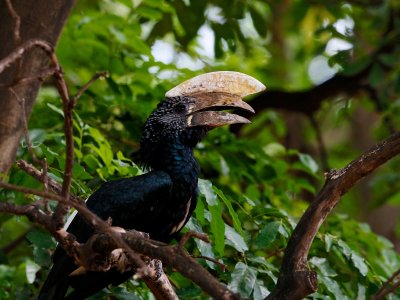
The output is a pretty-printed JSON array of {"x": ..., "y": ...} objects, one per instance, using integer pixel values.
[{"x": 296, "y": 281}]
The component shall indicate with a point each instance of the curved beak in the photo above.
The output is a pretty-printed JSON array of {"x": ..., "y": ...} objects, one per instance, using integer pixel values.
[
  {"x": 204, "y": 110},
  {"x": 215, "y": 91}
]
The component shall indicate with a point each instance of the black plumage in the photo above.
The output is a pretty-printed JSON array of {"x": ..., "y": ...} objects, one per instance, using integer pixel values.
[{"x": 159, "y": 202}]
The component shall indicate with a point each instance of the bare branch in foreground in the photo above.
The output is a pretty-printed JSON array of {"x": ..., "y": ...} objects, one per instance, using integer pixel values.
[
  {"x": 296, "y": 281},
  {"x": 173, "y": 256},
  {"x": 392, "y": 284},
  {"x": 132, "y": 243},
  {"x": 156, "y": 280}
]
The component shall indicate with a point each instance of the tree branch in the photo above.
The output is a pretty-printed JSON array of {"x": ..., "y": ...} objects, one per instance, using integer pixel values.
[
  {"x": 296, "y": 281},
  {"x": 388, "y": 287},
  {"x": 110, "y": 239}
]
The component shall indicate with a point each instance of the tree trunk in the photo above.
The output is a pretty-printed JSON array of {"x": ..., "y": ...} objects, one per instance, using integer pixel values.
[{"x": 39, "y": 19}]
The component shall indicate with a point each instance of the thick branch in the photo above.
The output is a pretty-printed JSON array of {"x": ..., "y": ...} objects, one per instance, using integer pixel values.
[
  {"x": 296, "y": 281},
  {"x": 22, "y": 21},
  {"x": 173, "y": 256}
]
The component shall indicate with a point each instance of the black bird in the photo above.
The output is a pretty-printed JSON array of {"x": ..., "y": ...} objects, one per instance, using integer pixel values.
[{"x": 161, "y": 201}]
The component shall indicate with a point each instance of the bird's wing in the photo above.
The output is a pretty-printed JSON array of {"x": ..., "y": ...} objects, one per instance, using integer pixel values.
[{"x": 128, "y": 201}]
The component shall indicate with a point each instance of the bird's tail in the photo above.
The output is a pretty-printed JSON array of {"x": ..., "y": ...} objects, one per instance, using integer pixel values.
[{"x": 52, "y": 290}]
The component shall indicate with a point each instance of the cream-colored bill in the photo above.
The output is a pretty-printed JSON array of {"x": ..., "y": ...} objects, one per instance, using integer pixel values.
[{"x": 229, "y": 82}]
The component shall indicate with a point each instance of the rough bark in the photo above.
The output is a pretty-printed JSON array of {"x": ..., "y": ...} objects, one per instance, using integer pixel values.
[
  {"x": 38, "y": 19},
  {"x": 296, "y": 280}
]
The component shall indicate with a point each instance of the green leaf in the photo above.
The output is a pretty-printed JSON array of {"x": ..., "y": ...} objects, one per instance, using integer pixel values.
[
  {"x": 235, "y": 240},
  {"x": 333, "y": 287},
  {"x": 31, "y": 269},
  {"x": 92, "y": 161},
  {"x": 309, "y": 162},
  {"x": 323, "y": 266},
  {"x": 260, "y": 291},
  {"x": 56, "y": 109},
  {"x": 268, "y": 234},
  {"x": 275, "y": 150},
  {"x": 259, "y": 22},
  {"x": 217, "y": 228},
  {"x": 359, "y": 263},
  {"x": 236, "y": 222},
  {"x": 328, "y": 239},
  {"x": 205, "y": 188},
  {"x": 376, "y": 76},
  {"x": 357, "y": 260},
  {"x": 204, "y": 248},
  {"x": 40, "y": 239},
  {"x": 394, "y": 199},
  {"x": 199, "y": 211},
  {"x": 140, "y": 46},
  {"x": 243, "y": 280}
]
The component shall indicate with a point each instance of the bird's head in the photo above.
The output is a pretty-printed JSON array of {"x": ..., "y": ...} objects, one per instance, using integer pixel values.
[{"x": 196, "y": 106}]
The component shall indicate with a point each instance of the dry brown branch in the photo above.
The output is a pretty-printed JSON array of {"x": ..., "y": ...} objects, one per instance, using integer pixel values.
[
  {"x": 190, "y": 234},
  {"x": 213, "y": 260},
  {"x": 21, "y": 50},
  {"x": 39, "y": 76},
  {"x": 388, "y": 287},
  {"x": 296, "y": 281},
  {"x": 172, "y": 256},
  {"x": 132, "y": 242},
  {"x": 21, "y": 101},
  {"x": 159, "y": 284},
  {"x": 321, "y": 145},
  {"x": 14, "y": 243},
  {"x": 84, "y": 88},
  {"x": 39, "y": 176},
  {"x": 68, "y": 106},
  {"x": 53, "y": 223},
  {"x": 17, "y": 19}
]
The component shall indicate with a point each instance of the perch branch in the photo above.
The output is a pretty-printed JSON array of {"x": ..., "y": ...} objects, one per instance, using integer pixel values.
[
  {"x": 54, "y": 223},
  {"x": 173, "y": 256},
  {"x": 296, "y": 281}
]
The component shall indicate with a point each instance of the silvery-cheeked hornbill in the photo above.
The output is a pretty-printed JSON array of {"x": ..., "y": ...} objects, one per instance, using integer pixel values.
[{"x": 161, "y": 201}]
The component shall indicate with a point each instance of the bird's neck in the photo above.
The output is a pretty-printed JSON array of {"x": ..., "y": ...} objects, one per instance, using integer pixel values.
[{"x": 174, "y": 157}]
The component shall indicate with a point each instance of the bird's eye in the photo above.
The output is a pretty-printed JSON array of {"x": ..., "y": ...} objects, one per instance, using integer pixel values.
[{"x": 180, "y": 108}]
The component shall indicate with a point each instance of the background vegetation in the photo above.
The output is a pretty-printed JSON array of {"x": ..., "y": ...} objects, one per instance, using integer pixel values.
[{"x": 258, "y": 179}]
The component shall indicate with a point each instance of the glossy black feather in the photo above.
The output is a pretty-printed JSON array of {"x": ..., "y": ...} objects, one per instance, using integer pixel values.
[{"x": 159, "y": 202}]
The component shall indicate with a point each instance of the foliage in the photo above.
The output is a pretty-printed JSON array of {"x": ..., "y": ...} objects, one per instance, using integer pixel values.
[{"x": 255, "y": 187}]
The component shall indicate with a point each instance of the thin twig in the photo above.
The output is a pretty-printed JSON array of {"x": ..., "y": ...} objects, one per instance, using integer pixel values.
[
  {"x": 321, "y": 145},
  {"x": 215, "y": 261},
  {"x": 35, "y": 173},
  {"x": 190, "y": 234},
  {"x": 84, "y": 88},
  {"x": 97, "y": 223},
  {"x": 40, "y": 76},
  {"x": 45, "y": 177},
  {"x": 17, "y": 20},
  {"x": 14, "y": 243},
  {"x": 387, "y": 288},
  {"x": 21, "y": 101},
  {"x": 17, "y": 35},
  {"x": 68, "y": 106}
]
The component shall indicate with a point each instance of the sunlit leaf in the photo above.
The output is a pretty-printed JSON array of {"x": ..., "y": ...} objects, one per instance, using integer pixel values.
[{"x": 243, "y": 279}]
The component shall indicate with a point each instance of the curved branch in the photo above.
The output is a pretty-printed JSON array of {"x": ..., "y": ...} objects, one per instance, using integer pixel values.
[
  {"x": 173, "y": 256},
  {"x": 296, "y": 281}
]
